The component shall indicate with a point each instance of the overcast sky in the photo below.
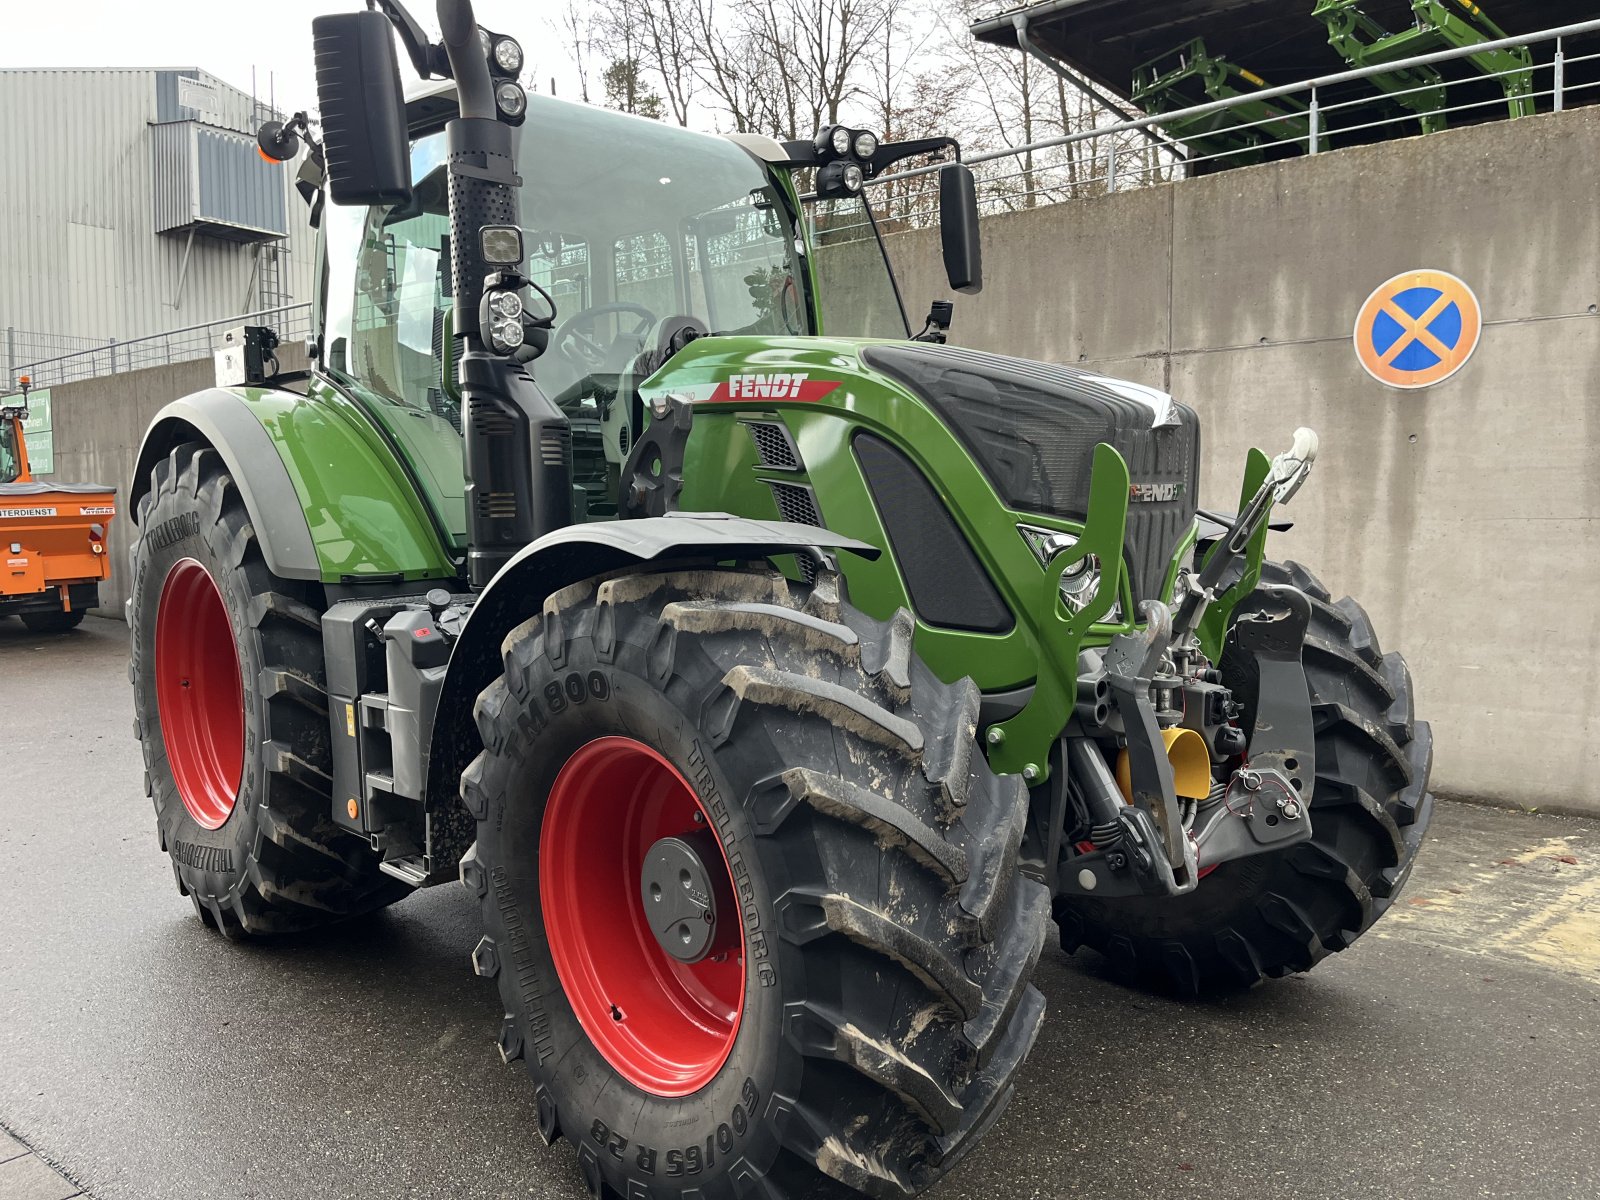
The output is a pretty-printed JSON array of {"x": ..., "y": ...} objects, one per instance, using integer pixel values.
[{"x": 230, "y": 37}]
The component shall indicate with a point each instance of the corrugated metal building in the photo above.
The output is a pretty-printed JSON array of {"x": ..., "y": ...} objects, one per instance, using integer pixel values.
[{"x": 133, "y": 202}]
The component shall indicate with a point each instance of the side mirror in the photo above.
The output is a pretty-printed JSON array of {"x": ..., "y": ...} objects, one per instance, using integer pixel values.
[
  {"x": 958, "y": 228},
  {"x": 363, "y": 111}
]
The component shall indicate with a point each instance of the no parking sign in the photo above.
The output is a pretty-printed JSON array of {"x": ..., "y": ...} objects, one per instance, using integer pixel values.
[{"x": 1418, "y": 329}]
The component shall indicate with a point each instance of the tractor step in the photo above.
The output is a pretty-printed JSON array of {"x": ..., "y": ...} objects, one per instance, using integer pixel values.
[{"x": 412, "y": 869}]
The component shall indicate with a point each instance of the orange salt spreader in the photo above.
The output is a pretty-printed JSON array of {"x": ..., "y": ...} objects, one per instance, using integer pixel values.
[{"x": 52, "y": 535}]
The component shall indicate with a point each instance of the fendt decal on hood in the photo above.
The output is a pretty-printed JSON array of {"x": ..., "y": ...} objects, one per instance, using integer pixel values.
[
  {"x": 746, "y": 388},
  {"x": 1154, "y": 493}
]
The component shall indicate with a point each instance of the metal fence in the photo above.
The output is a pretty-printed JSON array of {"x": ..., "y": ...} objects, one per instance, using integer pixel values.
[
  {"x": 1338, "y": 110},
  {"x": 291, "y": 322}
]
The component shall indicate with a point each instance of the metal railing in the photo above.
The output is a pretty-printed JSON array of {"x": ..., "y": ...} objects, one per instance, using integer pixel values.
[
  {"x": 291, "y": 322},
  {"x": 1113, "y": 156}
]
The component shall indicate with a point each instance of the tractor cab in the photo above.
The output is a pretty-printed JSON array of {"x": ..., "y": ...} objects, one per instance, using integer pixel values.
[{"x": 639, "y": 237}]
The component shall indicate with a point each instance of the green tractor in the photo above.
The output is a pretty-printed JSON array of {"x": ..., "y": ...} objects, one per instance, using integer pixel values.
[{"x": 766, "y": 686}]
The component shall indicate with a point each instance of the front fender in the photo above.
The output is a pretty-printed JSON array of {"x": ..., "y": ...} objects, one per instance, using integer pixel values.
[{"x": 518, "y": 591}]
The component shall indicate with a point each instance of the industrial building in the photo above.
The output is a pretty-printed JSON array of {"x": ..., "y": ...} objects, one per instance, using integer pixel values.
[{"x": 135, "y": 203}]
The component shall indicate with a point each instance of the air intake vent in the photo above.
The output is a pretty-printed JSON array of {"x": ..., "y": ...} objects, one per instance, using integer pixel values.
[
  {"x": 555, "y": 446},
  {"x": 774, "y": 447},
  {"x": 489, "y": 421},
  {"x": 797, "y": 503},
  {"x": 946, "y": 581},
  {"x": 497, "y": 506}
]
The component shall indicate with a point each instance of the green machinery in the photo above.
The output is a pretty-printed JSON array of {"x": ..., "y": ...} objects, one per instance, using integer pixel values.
[
  {"x": 768, "y": 674},
  {"x": 1438, "y": 25},
  {"x": 1192, "y": 75}
]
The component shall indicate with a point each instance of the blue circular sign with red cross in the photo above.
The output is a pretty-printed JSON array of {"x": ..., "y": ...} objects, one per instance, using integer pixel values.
[{"x": 1418, "y": 329}]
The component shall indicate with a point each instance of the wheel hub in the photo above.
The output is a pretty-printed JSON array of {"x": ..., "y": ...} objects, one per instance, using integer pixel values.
[
  {"x": 199, "y": 693},
  {"x": 638, "y": 904},
  {"x": 680, "y": 896}
]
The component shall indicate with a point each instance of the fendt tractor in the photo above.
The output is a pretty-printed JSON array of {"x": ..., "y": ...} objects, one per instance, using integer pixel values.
[{"x": 766, "y": 685}]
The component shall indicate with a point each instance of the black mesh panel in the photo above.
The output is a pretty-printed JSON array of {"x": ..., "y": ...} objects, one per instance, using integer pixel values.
[{"x": 947, "y": 582}]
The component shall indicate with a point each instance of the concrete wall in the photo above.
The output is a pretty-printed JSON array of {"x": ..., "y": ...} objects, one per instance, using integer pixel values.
[
  {"x": 1466, "y": 517},
  {"x": 98, "y": 426}
]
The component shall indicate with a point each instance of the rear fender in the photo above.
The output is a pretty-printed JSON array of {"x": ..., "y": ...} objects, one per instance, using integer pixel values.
[
  {"x": 328, "y": 498},
  {"x": 518, "y": 591},
  {"x": 225, "y": 422}
]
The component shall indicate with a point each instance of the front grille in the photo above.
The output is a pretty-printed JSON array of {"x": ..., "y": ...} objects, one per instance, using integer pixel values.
[{"x": 1032, "y": 428}]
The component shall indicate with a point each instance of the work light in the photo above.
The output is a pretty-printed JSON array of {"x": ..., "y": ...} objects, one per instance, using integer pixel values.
[
  {"x": 866, "y": 145},
  {"x": 505, "y": 304},
  {"x": 508, "y": 56},
  {"x": 501, "y": 245},
  {"x": 511, "y": 99}
]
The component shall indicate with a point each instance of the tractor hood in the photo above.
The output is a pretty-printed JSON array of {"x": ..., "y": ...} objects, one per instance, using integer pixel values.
[{"x": 1030, "y": 427}]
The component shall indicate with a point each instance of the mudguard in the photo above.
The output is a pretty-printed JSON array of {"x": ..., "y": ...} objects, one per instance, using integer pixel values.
[
  {"x": 326, "y": 497},
  {"x": 518, "y": 591}
]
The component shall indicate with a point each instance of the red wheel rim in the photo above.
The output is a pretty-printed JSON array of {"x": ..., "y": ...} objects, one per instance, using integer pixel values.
[
  {"x": 666, "y": 1026},
  {"x": 198, "y": 693}
]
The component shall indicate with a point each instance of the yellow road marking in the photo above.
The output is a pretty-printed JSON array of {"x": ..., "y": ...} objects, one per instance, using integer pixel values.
[{"x": 1540, "y": 905}]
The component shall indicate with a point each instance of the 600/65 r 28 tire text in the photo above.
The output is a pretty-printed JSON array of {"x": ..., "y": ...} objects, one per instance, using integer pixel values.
[
  {"x": 863, "y": 1001},
  {"x": 231, "y": 711}
]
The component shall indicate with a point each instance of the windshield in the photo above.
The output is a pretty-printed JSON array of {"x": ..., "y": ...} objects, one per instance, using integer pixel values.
[
  {"x": 10, "y": 466},
  {"x": 626, "y": 222},
  {"x": 857, "y": 286}
]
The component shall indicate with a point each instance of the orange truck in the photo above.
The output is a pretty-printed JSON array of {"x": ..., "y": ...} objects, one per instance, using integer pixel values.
[{"x": 52, "y": 535}]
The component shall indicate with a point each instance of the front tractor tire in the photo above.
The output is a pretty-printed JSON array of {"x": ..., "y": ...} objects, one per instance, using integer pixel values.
[
  {"x": 1274, "y": 914},
  {"x": 231, "y": 712},
  {"x": 841, "y": 988}
]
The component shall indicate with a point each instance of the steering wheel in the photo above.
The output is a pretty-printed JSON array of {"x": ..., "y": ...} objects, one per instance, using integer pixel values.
[{"x": 576, "y": 337}]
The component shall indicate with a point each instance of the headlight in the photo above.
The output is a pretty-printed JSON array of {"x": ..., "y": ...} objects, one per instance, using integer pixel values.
[
  {"x": 511, "y": 99},
  {"x": 853, "y": 177},
  {"x": 866, "y": 144},
  {"x": 508, "y": 56},
  {"x": 505, "y": 304},
  {"x": 1080, "y": 581},
  {"x": 841, "y": 141},
  {"x": 505, "y": 334}
]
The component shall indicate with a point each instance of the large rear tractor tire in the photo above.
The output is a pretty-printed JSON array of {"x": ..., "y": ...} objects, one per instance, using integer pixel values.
[
  {"x": 857, "y": 1004},
  {"x": 52, "y": 622},
  {"x": 1279, "y": 913},
  {"x": 231, "y": 711}
]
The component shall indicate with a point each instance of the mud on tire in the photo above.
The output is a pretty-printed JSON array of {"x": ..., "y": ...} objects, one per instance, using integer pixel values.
[
  {"x": 1275, "y": 914},
  {"x": 889, "y": 938},
  {"x": 277, "y": 863}
]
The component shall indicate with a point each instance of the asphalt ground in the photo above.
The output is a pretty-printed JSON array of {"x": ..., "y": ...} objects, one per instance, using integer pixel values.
[{"x": 1454, "y": 1052}]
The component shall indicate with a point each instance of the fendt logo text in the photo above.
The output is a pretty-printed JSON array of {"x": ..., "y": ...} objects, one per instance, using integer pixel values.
[
  {"x": 1154, "y": 493},
  {"x": 792, "y": 385}
]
